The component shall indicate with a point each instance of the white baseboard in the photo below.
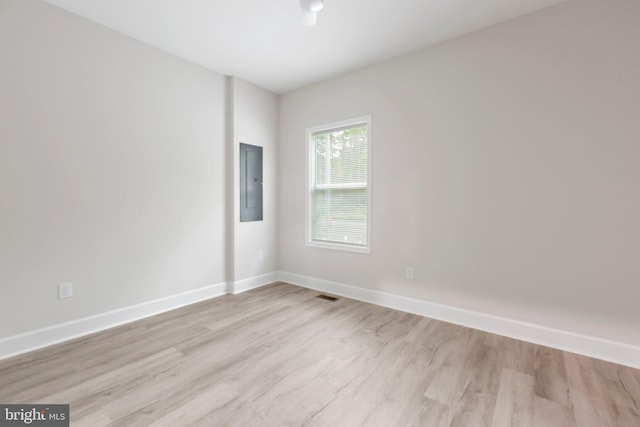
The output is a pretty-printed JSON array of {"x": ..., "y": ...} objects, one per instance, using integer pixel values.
[
  {"x": 253, "y": 282},
  {"x": 613, "y": 351},
  {"x": 33, "y": 340},
  {"x": 599, "y": 348}
]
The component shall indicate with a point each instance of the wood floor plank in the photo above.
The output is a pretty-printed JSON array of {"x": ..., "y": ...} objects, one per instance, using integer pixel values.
[
  {"x": 198, "y": 408},
  {"x": 551, "y": 376},
  {"x": 602, "y": 391},
  {"x": 280, "y": 356},
  {"x": 517, "y": 355},
  {"x": 551, "y": 414},
  {"x": 514, "y": 405},
  {"x": 94, "y": 419},
  {"x": 75, "y": 390},
  {"x": 476, "y": 405}
]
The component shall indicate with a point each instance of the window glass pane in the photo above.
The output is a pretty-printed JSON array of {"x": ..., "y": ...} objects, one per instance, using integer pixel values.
[
  {"x": 339, "y": 192},
  {"x": 341, "y": 156},
  {"x": 341, "y": 216},
  {"x": 321, "y": 158}
]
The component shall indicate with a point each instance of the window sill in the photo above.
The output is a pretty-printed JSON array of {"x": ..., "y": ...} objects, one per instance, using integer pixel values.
[{"x": 339, "y": 246}]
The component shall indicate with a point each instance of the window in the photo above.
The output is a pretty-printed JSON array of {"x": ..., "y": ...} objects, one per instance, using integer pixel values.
[{"x": 339, "y": 196}]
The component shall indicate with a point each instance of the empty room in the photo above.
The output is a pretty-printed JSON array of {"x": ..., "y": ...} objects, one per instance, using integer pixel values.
[{"x": 320, "y": 213}]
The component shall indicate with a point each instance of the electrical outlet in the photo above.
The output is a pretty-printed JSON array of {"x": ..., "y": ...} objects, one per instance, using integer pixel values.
[
  {"x": 408, "y": 273},
  {"x": 65, "y": 290}
]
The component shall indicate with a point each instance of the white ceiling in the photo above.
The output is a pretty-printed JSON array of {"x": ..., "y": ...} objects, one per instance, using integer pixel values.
[{"x": 264, "y": 42}]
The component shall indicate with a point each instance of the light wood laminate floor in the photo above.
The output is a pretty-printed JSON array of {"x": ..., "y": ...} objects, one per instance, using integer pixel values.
[{"x": 279, "y": 356}]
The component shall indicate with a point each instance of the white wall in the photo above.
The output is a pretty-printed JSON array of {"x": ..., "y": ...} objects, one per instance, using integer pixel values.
[
  {"x": 112, "y": 169},
  {"x": 504, "y": 170},
  {"x": 255, "y": 122}
]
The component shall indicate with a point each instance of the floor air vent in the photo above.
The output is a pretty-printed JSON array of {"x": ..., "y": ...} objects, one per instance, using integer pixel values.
[{"x": 328, "y": 297}]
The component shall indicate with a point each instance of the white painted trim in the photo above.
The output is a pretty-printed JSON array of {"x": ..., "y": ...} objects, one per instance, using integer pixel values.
[
  {"x": 33, "y": 340},
  {"x": 599, "y": 348},
  {"x": 253, "y": 282}
]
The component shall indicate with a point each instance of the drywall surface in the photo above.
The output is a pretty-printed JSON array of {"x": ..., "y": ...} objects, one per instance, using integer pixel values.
[
  {"x": 504, "y": 170},
  {"x": 255, "y": 122},
  {"x": 112, "y": 169}
]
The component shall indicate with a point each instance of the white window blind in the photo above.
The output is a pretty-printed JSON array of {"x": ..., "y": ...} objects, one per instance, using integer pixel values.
[{"x": 339, "y": 193}]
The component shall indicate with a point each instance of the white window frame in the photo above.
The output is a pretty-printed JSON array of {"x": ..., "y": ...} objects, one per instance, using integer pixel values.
[{"x": 362, "y": 120}]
